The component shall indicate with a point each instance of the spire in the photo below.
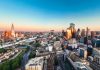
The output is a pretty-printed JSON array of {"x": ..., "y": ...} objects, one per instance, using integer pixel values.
[
  {"x": 12, "y": 27},
  {"x": 12, "y": 31}
]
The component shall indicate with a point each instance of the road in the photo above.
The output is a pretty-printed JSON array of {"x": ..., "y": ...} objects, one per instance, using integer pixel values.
[{"x": 25, "y": 59}]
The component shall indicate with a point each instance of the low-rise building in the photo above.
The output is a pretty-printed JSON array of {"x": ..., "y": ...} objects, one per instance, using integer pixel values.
[
  {"x": 80, "y": 66},
  {"x": 35, "y": 64},
  {"x": 96, "y": 51},
  {"x": 97, "y": 59},
  {"x": 96, "y": 54},
  {"x": 57, "y": 45}
]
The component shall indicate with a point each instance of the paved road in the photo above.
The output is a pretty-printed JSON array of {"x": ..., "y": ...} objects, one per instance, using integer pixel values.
[{"x": 25, "y": 59}]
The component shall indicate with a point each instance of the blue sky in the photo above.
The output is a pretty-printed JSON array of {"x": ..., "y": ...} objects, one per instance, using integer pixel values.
[{"x": 50, "y": 14}]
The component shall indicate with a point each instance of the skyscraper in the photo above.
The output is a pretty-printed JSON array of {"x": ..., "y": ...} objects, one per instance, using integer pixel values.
[
  {"x": 88, "y": 32},
  {"x": 73, "y": 30},
  {"x": 93, "y": 34},
  {"x": 78, "y": 34},
  {"x": 12, "y": 31},
  {"x": 83, "y": 33},
  {"x": 70, "y": 32}
]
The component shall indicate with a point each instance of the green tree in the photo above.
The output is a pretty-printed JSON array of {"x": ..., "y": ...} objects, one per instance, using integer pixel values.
[
  {"x": 2, "y": 50},
  {"x": 37, "y": 44},
  {"x": 1, "y": 43},
  {"x": 27, "y": 49},
  {"x": 12, "y": 64},
  {"x": 32, "y": 54},
  {"x": 57, "y": 39},
  {"x": 6, "y": 66}
]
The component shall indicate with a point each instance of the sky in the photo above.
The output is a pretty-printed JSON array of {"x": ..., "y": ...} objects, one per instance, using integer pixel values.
[{"x": 45, "y": 15}]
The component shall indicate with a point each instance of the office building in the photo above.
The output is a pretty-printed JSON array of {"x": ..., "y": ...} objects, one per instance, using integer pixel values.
[
  {"x": 83, "y": 52},
  {"x": 68, "y": 34},
  {"x": 78, "y": 34},
  {"x": 83, "y": 33},
  {"x": 88, "y": 32},
  {"x": 73, "y": 30},
  {"x": 80, "y": 66},
  {"x": 96, "y": 51},
  {"x": 93, "y": 34},
  {"x": 97, "y": 59},
  {"x": 57, "y": 45},
  {"x": 35, "y": 64}
]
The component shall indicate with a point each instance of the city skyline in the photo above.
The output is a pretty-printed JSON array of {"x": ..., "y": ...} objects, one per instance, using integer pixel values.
[{"x": 42, "y": 15}]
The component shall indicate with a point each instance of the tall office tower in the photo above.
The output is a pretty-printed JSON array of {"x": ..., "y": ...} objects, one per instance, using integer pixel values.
[
  {"x": 78, "y": 34},
  {"x": 93, "y": 34},
  {"x": 51, "y": 32},
  {"x": 83, "y": 34},
  {"x": 73, "y": 30},
  {"x": 88, "y": 33},
  {"x": 68, "y": 33},
  {"x": 12, "y": 31},
  {"x": 63, "y": 33}
]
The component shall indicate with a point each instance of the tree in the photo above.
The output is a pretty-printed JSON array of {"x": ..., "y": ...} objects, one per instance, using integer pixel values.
[
  {"x": 37, "y": 44},
  {"x": 32, "y": 54},
  {"x": 1, "y": 42},
  {"x": 6, "y": 66},
  {"x": 57, "y": 39},
  {"x": 12, "y": 64},
  {"x": 2, "y": 50},
  {"x": 27, "y": 49}
]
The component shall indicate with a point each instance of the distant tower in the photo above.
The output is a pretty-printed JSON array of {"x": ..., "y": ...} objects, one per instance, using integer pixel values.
[
  {"x": 72, "y": 25},
  {"x": 93, "y": 34},
  {"x": 12, "y": 31},
  {"x": 83, "y": 33},
  {"x": 88, "y": 33}
]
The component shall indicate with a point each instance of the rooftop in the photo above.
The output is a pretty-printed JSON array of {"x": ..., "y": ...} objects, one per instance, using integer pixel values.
[{"x": 35, "y": 61}]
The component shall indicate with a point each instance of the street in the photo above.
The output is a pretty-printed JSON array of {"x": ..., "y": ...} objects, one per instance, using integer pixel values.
[{"x": 25, "y": 59}]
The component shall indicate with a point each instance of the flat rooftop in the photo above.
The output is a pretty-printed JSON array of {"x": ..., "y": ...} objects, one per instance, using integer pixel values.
[{"x": 35, "y": 61}]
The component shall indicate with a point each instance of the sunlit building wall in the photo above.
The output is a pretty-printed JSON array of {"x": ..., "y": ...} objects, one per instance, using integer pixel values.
[{"x": 68, "y": 34}]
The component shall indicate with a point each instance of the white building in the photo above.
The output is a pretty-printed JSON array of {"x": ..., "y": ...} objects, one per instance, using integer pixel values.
[
  {"x": 57, "y": 45},
  {"x": 35, "y": 64},
  {"x": 96, "y": 54},
  {"x": 96, "y": 51},
  {"x": 50, "y": 47},
  {"x": 82, "y": 52},
  {"x": 80, "y": 66}
]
